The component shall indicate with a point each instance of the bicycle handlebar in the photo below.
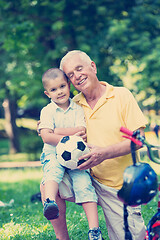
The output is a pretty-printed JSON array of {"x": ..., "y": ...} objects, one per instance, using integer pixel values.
[{"x": 141, "y": 141}]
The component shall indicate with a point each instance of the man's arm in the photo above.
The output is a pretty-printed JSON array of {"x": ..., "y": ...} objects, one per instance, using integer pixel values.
[{"x": 99, "y": 154}]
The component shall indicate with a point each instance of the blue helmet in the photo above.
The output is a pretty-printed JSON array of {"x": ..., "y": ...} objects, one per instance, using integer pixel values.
[{"x": 140, "y": 184}]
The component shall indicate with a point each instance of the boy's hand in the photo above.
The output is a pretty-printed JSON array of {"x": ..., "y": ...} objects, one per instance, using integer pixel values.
[
  {"x": 38, "y": 131},
  {"x": 83, "y": 135}
]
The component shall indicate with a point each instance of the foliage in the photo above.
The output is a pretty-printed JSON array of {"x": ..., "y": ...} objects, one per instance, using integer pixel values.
[
  {"x": 30, "y": 143},
  {"x": 31, "y": 146},
  {"x": 36, "y": 34},
  {"x": 122, "y": 37}
]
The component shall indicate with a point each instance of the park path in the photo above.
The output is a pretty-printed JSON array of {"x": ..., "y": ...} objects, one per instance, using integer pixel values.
[{"x": 4, "y": 165}]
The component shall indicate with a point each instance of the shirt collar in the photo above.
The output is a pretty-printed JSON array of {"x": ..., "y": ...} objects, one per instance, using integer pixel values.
[
  {"x": 80, "y": 98},
  {"x": 57, "y": 108}
]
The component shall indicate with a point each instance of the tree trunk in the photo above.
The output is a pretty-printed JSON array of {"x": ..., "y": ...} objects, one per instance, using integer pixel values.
[{"x": 10, "y": 110}]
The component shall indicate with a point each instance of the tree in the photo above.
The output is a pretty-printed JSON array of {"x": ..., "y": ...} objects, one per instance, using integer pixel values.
[
  {"x": 139, "y": 32},
  {"x": 116, "y": 34}
]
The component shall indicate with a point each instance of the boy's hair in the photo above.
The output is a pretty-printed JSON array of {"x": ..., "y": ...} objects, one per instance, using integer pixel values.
[
  {"x": 51, "y": 74},
  {"x": 68, "y": 55}
]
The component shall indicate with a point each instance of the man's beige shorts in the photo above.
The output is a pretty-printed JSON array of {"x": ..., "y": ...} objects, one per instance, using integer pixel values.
[{"x": 113, "y": 210}]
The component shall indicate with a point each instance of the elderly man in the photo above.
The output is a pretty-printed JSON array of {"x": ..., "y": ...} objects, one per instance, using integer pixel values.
[{"x": 106, "y": 108}]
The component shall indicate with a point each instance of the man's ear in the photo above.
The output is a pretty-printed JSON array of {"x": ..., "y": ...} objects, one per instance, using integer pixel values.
[
  {"x": 47, "y": 94},
  {"x": 93, "y": 65}
]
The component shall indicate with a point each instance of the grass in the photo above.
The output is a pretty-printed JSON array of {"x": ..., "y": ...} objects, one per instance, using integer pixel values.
[{"x": 25, "y": 221}]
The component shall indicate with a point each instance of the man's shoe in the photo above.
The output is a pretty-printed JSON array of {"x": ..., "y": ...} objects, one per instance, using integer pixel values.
[
  {"x": 51, "y": 210},
  {"x": 95, "y": 234}
]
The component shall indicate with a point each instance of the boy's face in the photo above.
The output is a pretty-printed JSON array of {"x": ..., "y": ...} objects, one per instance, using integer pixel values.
[{"x": 58, "y": 90}]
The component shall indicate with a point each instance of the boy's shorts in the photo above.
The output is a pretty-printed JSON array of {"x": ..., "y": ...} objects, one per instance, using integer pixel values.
[
  {"x": 52, "y": 170},
  {"x": 80, "y": 180}
]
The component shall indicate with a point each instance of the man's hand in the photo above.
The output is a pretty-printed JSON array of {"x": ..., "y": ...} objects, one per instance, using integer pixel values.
[
  {"x": 99, "y": 154},
  {"x": 94, "y": 157}
]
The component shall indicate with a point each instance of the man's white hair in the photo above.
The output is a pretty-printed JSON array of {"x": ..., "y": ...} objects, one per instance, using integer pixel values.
[{"x": 69, "y": 55}]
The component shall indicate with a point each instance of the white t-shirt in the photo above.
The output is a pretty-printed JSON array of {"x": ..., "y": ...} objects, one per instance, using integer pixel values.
[{"x": 53, "y": 117}]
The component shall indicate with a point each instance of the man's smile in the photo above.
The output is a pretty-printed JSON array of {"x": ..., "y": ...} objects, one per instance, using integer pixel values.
[{"x": 82, "y": 81}]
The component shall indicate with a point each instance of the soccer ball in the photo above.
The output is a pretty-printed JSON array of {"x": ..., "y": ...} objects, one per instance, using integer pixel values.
[{"x": 69, "y": 149}]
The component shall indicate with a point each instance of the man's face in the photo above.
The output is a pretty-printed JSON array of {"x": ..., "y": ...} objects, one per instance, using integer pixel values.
[{"x": 81, "y": 73}]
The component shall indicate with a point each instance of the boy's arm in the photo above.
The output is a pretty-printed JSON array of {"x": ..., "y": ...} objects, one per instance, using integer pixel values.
[
  {"x": 53, "y": 137},
  {"x": 48, "y": 136},
  {"x": 69, "y": 131},
  {"x": 79, "y": 131}
]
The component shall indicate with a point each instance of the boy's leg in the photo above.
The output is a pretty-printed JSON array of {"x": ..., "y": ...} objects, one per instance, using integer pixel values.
[
  {"x": 91, "y": 212},
  {"x": 51, "y": 189},
  {"x": 52, "y": 174},
  {"x": 51, "y": 210},
  {"x": 85, "y": 194},
  {"x": 59, "y": 224},
  {"x": 82, "y": 186}
]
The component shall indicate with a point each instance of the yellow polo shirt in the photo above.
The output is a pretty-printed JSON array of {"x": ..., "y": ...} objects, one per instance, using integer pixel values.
[{"x": 116, "y": 108}]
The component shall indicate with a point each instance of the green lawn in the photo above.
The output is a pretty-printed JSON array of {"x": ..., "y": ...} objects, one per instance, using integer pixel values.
[{"x": 25, "y": 221}]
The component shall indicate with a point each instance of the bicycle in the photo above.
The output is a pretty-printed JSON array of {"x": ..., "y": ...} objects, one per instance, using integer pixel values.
[{"x": 133, "y": 198}]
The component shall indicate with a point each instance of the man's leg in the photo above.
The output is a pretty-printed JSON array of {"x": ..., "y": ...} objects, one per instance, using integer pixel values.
[
  {"x": 59, "y": 224},
  {"x": 113, "y": 212}
]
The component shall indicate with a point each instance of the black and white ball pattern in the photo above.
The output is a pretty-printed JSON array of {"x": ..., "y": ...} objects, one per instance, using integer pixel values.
[{"x": 69, "y": 149}]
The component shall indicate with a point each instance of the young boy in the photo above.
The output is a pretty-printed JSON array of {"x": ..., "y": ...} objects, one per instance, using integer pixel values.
[{"x": 60, "y": 118}]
